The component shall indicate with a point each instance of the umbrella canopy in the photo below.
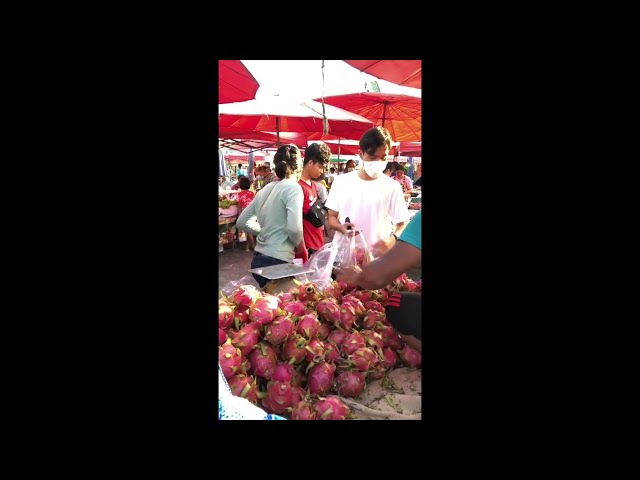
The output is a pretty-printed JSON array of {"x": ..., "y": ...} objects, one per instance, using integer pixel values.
[
  {"x": 400, "y": 114},
  {"x": 410, "y": 149},
  {"x": 235, "y": 82},
  {"x": 252, "y": 140},
  {"x": 286, "y": 115},
  {"x": 407, "y": 73}
]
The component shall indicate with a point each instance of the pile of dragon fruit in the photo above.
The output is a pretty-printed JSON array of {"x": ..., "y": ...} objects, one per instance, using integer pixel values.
[{"x": 288, "y": 352}]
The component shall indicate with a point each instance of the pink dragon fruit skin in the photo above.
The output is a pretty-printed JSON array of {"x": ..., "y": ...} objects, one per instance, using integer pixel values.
[
  {"x": 283, "y": 372},
  {"x": 320, "y": 378},
  {"x": 410, "y": 356},
  {"x": 314, "y": 349},
  {"x": 244, "y": 386},
  {"x": 263, "y": 360},
  {"x": 337, "y": 337},
  {"x": 364, "y": 359},
  {"x": 295, "y": 308},
  {"x": 333, "y": 290},
  {"x": 222, "y": 336},
  {"x": 247, "y": 337},
  {"x": 308, "y": 292},
  {"x": 347, "y": 317},
  {"x": 323, "y": 331},
  {"x": 264, "y": 310},
  {"x": 308, "y": 326},
  {"x": 373, "y": 340},
  {"x": 277, "y": 332},
  {"x": 390, "y": 358},
  {"x": 280, "y": 396},
  {"x": 225, "y": 315},
  {"x": 350, "y": 384},
  {"x": 303, "y": 411},
  {"x": 245, "y": 295},
  {"x": 241, "y": 317},
  {"x": 352, "y": 342},
  {"x": 331, "y": 408},
  {"x": 329, "y": 312},
  {"x": 229, "y": 358},
  {"x": 294, "y": 348},
  {"x": 284, "y": 298},
  {"x": 373, "y": 305},
  {"x": 372, "y": 317}
]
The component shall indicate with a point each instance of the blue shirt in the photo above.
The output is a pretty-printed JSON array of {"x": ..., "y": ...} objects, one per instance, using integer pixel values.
[{"x": 412, "y": 234}]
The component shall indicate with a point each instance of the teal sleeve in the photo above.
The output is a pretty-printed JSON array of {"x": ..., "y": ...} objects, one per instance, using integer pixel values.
[{"x": 412, "y": 234}]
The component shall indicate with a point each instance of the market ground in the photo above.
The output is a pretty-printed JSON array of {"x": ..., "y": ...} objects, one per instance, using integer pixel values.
[{"x": 235, "y": 263}]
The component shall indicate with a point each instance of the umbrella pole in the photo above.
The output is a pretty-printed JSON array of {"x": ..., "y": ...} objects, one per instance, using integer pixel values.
[
  {"x": 338, "y": 150},
  {"x": 384, "y": 113},
  {"x": 278, "y": 131}
]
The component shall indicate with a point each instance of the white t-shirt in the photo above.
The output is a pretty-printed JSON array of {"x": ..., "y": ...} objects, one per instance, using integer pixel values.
[{"x": 374, "y": 206}]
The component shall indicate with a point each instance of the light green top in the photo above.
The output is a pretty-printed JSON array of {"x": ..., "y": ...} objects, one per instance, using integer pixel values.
[{"x": 275, "y": 217}]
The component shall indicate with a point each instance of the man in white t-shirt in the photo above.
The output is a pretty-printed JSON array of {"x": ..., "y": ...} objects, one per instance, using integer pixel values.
[{"x": 373, "y": 202}]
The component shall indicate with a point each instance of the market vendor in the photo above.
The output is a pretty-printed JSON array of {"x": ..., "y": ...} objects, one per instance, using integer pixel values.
[{"x": 403, "y": 311}]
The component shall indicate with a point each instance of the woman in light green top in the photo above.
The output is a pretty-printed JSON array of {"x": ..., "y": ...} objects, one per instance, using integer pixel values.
[{"x": 275, "y": 215}]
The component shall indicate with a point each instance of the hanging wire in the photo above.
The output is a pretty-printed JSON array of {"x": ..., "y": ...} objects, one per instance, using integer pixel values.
[{"x": 325, "y": 122}]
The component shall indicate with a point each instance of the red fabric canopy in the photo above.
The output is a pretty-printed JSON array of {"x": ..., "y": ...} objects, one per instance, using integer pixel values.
[
  {"x": 235, "y": 82},
  {"x": 281, "y": 114},
  {"x": 407, "y": 73},
  {"x": 400, "y": 114}
]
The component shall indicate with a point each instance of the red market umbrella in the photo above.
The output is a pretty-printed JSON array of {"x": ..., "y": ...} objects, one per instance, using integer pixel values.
[
  {"x": 400, "y": 114},
  {"x": 410, "y": 149},
  {"x": 252, "y": 140},
  {"x": 235, "y": 82},
  {"x": 286, "y": 115},
  {"x": 407, "y": 73}
]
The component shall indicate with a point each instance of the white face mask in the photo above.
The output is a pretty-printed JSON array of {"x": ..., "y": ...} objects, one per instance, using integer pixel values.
[{"x": 374, "y": 169}]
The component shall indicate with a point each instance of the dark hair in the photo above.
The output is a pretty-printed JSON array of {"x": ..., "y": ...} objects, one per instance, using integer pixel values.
[
  {"x": 389, "y": 166},
  {"x": 244, "y": 183},
  {"x": 286, "y": 160},
  {"x": 317, "y": 153},
  {"x": 350, "y": 163},
  {"x": 373, "y": 139},
  {"x": 332, "y": 169}
]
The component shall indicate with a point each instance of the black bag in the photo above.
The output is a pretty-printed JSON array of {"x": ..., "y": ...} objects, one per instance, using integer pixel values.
[{"x": 317, "y": 215}]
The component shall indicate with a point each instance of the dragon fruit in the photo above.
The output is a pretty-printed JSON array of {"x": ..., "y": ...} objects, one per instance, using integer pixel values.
[
  {"x": 357, "y": 304},
  {"x": 279, "y": 396},
  {"x": 277, "y": 332},
  {"x": 225, "y": 315},
  {"x": 295, "y": 308},
  {"x": 363, "y": 359},
  {"x": 373, "y": 305},
  {"x": 246, "y": 387},
  {"x": 263, "y": 360},
  {"x": 337, "y": 337},
  {"x": 304, "y": 410},
  {"x": 308, "y": 326},
  {"x": 333, "y": 290},
  {"x": 264, "y": 309},
  {"x": 331, "y": 352},
  {"x": 241, "y": 317},
  {"x": 284, "y": 372},
  {"x": 315, "y": 351},
  {"x": 320, "y": 378},
  {"x": 222, "y": 336},
  {"x": 347, "y": 317},
  {"x": 247, "y": 337},
  {"x": 328, "y": 311},
  {"x": 323, "y": 331},
  {"x": 352, "y": 342},
  {"x": 390, "y": 358},
  {"x": 331, "y": 408},
  {"x": 245, "y": 295},
  {"x": 308, "y": 292},
  {"x": 390, "y": 337},
  {"x": 410, "y": 356},
  {"x": 284, "y": 298},
  {"x": 350, "y": 383},
  {"x": 372, "y": 318},
  {"x": 230, "y": 359},
  {"x": 373, "y": 339},
  {"x": 294, "y": 348}
]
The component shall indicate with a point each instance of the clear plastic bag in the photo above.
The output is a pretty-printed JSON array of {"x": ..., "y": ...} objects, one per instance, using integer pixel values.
[
  {"x": 228, "y": 288},
  {"x": 322, "y": 262},
  {"x": 352, "y": 249}
]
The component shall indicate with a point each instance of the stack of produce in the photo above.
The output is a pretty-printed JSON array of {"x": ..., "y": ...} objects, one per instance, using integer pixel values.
[{"x": 296, "y": 353}]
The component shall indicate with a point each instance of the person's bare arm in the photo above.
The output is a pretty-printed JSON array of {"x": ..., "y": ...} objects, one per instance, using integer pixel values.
[
  {"x": 333, "y": 222},
  {"x": 385, "y": 269}
]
